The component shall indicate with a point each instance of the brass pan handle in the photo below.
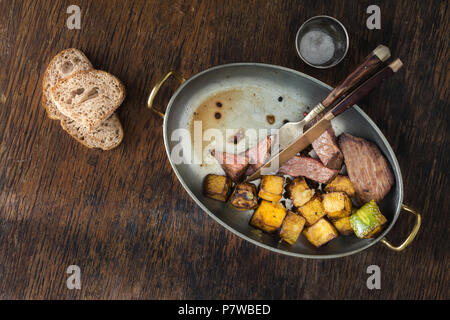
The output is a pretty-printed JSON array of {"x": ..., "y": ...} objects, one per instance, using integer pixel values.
[
  {"x": 156, "y": 88},
  {"x": 411, "y": 236}
]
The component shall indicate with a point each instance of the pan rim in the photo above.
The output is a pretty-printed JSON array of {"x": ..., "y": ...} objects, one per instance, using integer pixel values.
[{"x": 398, "y": 173}]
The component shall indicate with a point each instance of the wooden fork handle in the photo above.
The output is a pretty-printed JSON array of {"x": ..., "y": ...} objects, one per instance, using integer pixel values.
[{"x": 365, "y": 69}]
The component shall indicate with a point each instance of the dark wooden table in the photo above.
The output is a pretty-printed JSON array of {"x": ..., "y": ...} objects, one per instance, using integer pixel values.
[{"x": 123, "y": 217}]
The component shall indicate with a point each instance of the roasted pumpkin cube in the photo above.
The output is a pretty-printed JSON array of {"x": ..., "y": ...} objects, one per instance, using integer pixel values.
[
  {"x": 320, "y": 233},
  {"x": 216, "y": 187},
  {"x": 292, "y": 227},
  {"x": 271, "y": 188},
  {"x": 299, "y": 192},
  {"x": 341, "y": 184},
  {"x": 367, "y": 221},
  {"x": 343, "y": 226},
  {"x": 244, "y": 196},
  {"x": 313, "y": 210},
  {"x": 337, "y": 205},
  {"x": 269, "y": 216}
]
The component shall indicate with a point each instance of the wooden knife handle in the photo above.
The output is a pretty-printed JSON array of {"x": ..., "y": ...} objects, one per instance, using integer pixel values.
[
  {"x": 370, "y": 63},
  {"x": 366, "y": 87}
]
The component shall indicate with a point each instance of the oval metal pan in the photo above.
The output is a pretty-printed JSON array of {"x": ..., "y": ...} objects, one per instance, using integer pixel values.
[{"x": 308, "y": 91}]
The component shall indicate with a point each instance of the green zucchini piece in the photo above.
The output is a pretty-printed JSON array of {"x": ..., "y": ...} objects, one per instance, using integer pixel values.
[{"x": 366, "y": 219}]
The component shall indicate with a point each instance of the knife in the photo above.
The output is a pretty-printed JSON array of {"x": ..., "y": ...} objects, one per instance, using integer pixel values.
[{"x": 323, "y": 124}]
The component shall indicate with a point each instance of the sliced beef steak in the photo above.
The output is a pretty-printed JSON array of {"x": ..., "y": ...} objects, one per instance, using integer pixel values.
[
  {"x": 326, "y": 145},
  {"x": 258, "y": 155},
  {"x": 308, "y": 167},
  {"x": 327, "y": 149},
  {"x": 368, "y": 169},
  {"x": 234, "y": 165}
]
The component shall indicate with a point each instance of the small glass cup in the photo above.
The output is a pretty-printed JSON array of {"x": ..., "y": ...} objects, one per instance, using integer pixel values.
[{"x": 322, "y": 42}]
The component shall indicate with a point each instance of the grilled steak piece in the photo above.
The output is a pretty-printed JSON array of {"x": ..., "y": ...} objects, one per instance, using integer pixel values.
[
  {"x": 234, "y": 165},
  {"x": 308, "y": 167},
  {"x": 258, "y": 155},
  {"x": 367, "y": 168},
  {"x": 326, "y": 145},
  {"x": 328, "y": 150}
]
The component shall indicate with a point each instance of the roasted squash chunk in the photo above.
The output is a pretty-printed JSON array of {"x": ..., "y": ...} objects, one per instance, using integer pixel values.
[
  {"x": 244, "y": 196},
  {"x": 341, "y": 184},
  {"x": 320, "y": 233},
  {"x": 337, "y": 205},
  {"x": 216, "y": 187},
  {"x": 269, "y": 216},
  {"x": 313, "y": 210},
  {"x": 292, "y": 227},
  {"x": 343, "y": 226},
  {"x": 271, "y": 188},
  {"x": 367, "y": 221},
  {"x": 300, "y": 192}
]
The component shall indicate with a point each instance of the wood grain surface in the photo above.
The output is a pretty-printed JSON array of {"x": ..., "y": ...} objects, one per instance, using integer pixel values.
[{"x": 123, "y": 217}]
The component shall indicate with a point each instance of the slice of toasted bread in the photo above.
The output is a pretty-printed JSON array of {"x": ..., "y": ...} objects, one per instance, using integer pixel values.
[
  {"x": 88, "y": 97},
  {"x": 106, "y": 137},
  {"x": 64, "y": 64}
]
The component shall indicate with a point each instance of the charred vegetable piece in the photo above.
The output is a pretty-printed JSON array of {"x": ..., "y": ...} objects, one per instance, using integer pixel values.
[
  {"x": 367, "y": 219},
  {"x": 269, "y": 216},
  {"x": 271, "y": 188},
  {"x": 375, "y": 232},
  {"x": 343, "y": 226},
  {"x": 244, "y": 196},
  {"x": 313, "y": 210},
  {"x": 341, "y": 183},
  {"x": 337, "y": 205},
  {"x": 320, "y": 233},
  {"x": 300, "y": 192},
  {"x": 292, "y": 227},
  {"x": 216, "y": 187}
]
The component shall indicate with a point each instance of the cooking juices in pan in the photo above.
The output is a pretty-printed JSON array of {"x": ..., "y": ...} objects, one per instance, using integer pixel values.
[{"x": 232, "y": 111}]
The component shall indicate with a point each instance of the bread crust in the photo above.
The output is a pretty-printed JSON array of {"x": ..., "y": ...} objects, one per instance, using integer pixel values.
[
  {"x": 83, "y": 141},
  {"x": 45, "y": 99},
  {"x": 77, "y": 74}
]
